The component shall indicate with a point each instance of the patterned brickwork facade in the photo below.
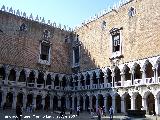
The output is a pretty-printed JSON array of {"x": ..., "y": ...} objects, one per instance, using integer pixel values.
[
  {"x": 140, "y": 34},
  {"x": 22, "y": 48}
]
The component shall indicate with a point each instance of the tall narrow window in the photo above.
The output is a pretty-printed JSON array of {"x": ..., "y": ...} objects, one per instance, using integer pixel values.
[
  {"x": 116, "y": 42},
  {"x": 44, "y": 52}
]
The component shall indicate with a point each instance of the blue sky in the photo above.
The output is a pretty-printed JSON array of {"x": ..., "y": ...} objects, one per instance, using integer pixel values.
[{"x": 66, "y": 12}]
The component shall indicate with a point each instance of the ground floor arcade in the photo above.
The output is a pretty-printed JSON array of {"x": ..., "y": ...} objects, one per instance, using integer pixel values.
[{"x": 121, "y": 102}]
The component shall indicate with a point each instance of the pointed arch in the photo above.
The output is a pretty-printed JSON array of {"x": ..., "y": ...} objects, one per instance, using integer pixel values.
[
  {"x": 22, "y": 77},
  {"x": 127, "y": 73},
  {"x": 87, "y": 79},
  {"x": 101, "y": 77},
  {"x": 49, "y": 79},
  {"x": 12, "y": 75},
  {"x": 137, "y": 71}
]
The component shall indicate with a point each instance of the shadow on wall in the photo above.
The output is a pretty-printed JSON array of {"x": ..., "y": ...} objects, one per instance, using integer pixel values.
[{"x": 86, "y": 60}]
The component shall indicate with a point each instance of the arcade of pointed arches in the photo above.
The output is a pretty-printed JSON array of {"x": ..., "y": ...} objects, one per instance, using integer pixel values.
[{"x": 142, "y": 72}]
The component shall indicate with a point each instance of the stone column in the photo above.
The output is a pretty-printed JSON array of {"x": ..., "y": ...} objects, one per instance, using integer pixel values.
[
  {"x": 132, "y": 77},
  {"x": 59, "y": 102},
  {"x": 105, "y": 104},
  {"x": 43, "y": 101},
  {"x": 113, "y": 79},
  {"x": 6, "y": 77},
  {"x": 98, "y": 84},
  {"x": 73, "y": 103},
  {"x": 4, "y": 97},
  {"x": 51, "y": 102},
  {"x": 14, "y": 101},
  {"x": 144, "y": 104},
  {"x": 123, "y": 105},
  {"x": 45, "y": 79},
  {"x": 67, "y": 103},
  {"x": 17, "y": 77},
  {"x": 114, "y": 104},
  {"x": 122, "y": 79},
  {"x": 24, "y": 101},
  {"x": 84, "y": 106},
  {"x": 79, "y": 84},
  {"x": 52, "y": 84},
  {"x": 97, "y": 102},
  {"x": 155, "y": 75},
  {"x": 143, "y": 77},
  {"x": 34, "y": 100},
  {"x": 156, "y": 80},
  {"x": 27, "y": 77},
  {"x": 133, "y": 102},
  {"x": 90, "y": 102},
  {"x": 105, "y": 80},
  {"x": 157, "y": 105},
  {"x": 91, "y": 82},
  {"x": 36, "y": 77},
  {"x": 78, "y": 100}
]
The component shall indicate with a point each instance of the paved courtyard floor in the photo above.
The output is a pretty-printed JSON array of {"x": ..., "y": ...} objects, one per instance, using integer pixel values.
[{"x": 42, "y": 115}]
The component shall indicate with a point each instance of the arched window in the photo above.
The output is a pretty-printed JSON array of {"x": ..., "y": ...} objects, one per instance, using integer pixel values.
[
  {"x": 137, "y": 72},
  {"x": 56, "y": 82},
  {"x": 117, "y": 74},
  {"x": 82, "y": 80},
  {"x": 109, "y": 75},
  {"x": 71, "y": 81},
  {"x": 31, "y": 77},
  {"x": 64, "y": 81},
  {"x": 95, "y": 81},
  {"x": 22, "y": 77},
  {"x": 49, "y": 80},
  {"x": 127, "y": 73},
  {"x": 148, "y": 70},
  {"x": 101, "y": 77},
  {"x": 87, "y": 79},
  {"x": 12, "y": 75},
  {"x": 45, "y": 51},
  {"x": 40, "y": 79}
]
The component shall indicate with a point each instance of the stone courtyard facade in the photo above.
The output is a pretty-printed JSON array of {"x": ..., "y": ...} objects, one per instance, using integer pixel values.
[{"x": 112, "y": 60}]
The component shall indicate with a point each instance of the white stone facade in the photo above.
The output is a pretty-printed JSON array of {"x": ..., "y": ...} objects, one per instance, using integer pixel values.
[{"x": 89, "y": 89}]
